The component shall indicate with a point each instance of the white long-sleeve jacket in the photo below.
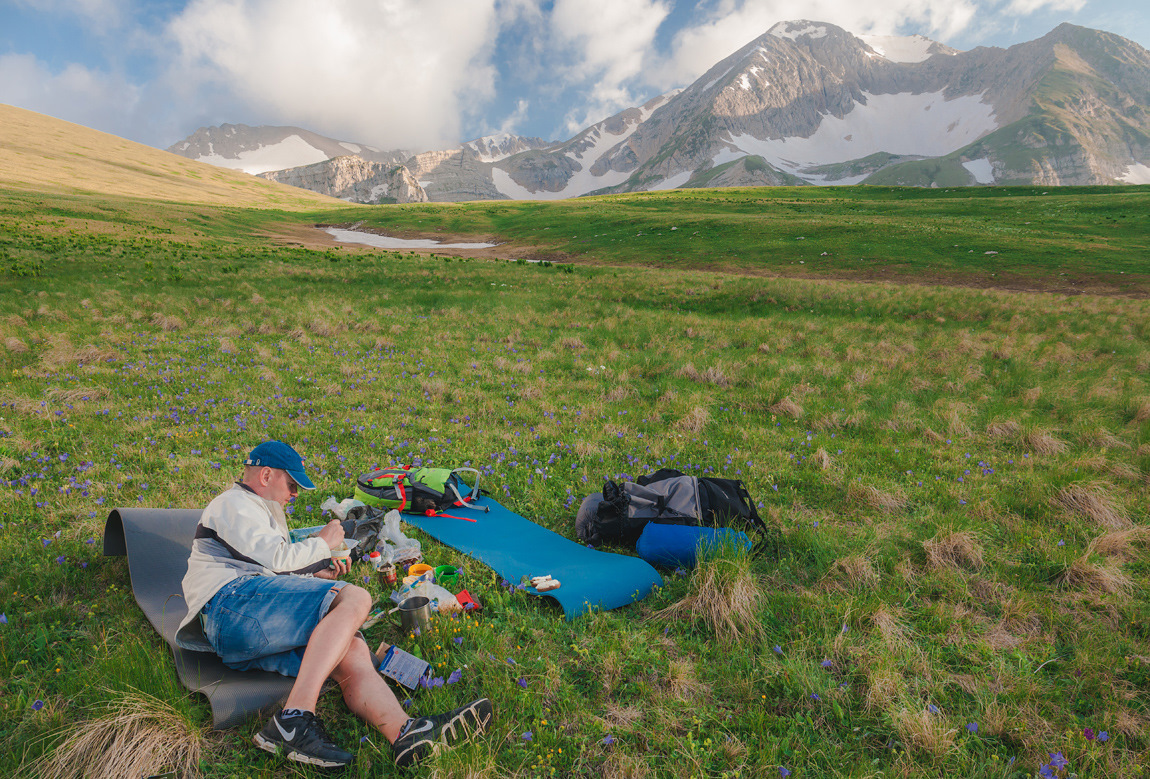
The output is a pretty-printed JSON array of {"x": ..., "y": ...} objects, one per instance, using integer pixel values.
[{"x": 240, "y": 534}]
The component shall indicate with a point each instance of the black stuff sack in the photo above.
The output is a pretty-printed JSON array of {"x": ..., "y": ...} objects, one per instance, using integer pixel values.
[{"x": 619, "y": 513}]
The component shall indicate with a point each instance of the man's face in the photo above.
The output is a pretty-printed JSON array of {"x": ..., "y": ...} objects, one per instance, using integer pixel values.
[{"x": 280, "y": 487}]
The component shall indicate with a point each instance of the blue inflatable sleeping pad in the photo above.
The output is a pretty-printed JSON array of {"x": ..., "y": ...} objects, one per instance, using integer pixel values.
[{"x": 515, "y": 547}]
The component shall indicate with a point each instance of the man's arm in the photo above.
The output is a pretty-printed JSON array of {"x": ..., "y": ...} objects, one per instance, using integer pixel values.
[{"x": 248, "y": 532}]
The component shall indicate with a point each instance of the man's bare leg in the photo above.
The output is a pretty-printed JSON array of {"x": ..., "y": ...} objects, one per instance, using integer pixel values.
[
  {"x": 367, "y": 694},
  {"x": 328, "y": 645}
]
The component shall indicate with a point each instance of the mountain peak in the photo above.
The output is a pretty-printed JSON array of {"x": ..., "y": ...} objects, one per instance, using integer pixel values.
[{"x": 802, "y": 28}]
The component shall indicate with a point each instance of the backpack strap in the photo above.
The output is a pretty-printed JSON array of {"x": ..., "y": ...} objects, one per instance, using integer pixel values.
[
  {"x": 471, "y": 496},
  {"x": 399, "y": 478}
]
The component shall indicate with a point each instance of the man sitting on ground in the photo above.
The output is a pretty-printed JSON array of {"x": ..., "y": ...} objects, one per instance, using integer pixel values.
[{"x": 264, "y": 602}]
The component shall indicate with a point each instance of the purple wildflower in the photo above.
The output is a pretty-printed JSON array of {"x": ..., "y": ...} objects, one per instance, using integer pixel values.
[
  {"x": 1089, "y": 734},
  {"x": 455, "y": 676},
  {"x": 932, "y": 708},
  {"x": 3, "y": 619},
  {"x": 1103, "y": 736},
  {"x": 1057, "y": 760},
  {"x": 522, "y": 682},
  {"x": 972, "y": 727},
  {"x": 60, "y": 560},
  {"x": 37, "y": 705},
  {"x": 778, "y": 649},
  {"x": 608, "y": 740},
  {"x": 458, "y": 640},
  {"x": 511, "y": 661},
  {"x": 784, "y": 772},
  {"x": 826, "y": 663},
  {"x": 528, "y": 736},
  {"x": 815, "y": 696}
]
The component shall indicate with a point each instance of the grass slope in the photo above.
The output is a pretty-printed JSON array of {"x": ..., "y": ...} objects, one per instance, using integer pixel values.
[
  {"x": 40, "y": 153},
  {"x": 956, "y": 579}
]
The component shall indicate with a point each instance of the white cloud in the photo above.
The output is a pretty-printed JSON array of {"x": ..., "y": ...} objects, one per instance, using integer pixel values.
[
  {"x": 1026, "y": 7},
  {"x": 400, "y": 73},
  {"x": 76, "y": 94},
  {"x": 611, "y": 41},
  {"x": 511, "y": 122}
]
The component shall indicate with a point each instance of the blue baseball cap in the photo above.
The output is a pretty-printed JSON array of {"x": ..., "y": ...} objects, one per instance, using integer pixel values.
[{"x": 277, "y": 454}]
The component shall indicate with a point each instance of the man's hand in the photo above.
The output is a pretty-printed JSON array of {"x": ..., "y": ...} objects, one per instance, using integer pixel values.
[
  {"x": 340, "y": 567},
  {"x": 332, "y": 534}
]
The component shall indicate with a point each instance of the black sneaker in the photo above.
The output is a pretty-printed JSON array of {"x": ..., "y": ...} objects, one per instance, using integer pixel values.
[
  {"x": 303, "y": 739},
  {"x": 420, "y": 735}
]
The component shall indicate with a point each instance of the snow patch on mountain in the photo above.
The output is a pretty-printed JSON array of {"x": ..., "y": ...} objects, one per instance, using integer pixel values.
[
  {"x": 981, "y": 170},
  {"x": 1136, "y": 174},
  {"x": 925, "y": 125},
  {"x": 715, "y": 80},
  {"x": 292, "y": 152},
  {"x": 794, "y": 31},
  {"x": 354, "y": 148},
  {"x": 583, "y": 181},
  {"x": 674, "y": 182},
  {"x": 914, "y": 48}
]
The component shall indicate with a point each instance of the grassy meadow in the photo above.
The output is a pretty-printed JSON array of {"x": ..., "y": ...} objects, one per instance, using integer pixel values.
[
  {"x": 1025, "y": 238},
  {"x": 957, "y": 575}
]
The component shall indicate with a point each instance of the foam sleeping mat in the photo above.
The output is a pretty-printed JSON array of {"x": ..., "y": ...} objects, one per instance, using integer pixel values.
[
  {"x": 515, "y": 547},
  {"x": 157, "y": 543}
]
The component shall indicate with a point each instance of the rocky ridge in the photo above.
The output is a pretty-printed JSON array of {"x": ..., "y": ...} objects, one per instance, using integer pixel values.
[{"x": 355, "y": 179}]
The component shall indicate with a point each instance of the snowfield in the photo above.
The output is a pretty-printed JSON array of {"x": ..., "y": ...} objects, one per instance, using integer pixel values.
[
  {"x": 782, "y": 30},
  {"x": 291, "y": 152},
  {"x": 981, "y": 170},
  {"x": 925, "y": 125},
  {"x": 1137, "y": 173},
  {"x": 582, "y": 181},
  {"x": 674, "y": 182}
]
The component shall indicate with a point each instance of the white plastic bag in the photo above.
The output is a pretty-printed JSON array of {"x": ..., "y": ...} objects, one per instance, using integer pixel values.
[
  {"x": 441, "y": 600},
  {"x": 405, "y": 548},
  {"x": 339, "y": 509}
]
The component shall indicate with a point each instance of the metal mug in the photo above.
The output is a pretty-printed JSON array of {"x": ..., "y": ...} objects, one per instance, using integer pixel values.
[{"x": 415, "y": 613}]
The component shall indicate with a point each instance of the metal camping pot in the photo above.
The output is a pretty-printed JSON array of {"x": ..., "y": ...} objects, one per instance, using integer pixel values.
[{"x": 415, "y": 613}]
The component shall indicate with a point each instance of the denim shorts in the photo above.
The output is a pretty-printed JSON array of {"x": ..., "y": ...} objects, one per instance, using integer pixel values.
[{"x": 265, "y": 621}]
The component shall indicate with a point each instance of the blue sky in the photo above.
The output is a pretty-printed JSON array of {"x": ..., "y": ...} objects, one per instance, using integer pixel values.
[{"x": 423, "y": 74}]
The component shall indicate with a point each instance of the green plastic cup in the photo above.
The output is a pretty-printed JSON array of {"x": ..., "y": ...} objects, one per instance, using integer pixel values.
[{"x": 448, "y": 576}]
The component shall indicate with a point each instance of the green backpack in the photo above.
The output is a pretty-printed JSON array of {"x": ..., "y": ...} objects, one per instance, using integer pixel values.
[{"x": 416, "y": 490}]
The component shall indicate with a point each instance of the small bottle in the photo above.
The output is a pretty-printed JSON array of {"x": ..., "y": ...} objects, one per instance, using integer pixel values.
[{"x": 376, "y": 560}]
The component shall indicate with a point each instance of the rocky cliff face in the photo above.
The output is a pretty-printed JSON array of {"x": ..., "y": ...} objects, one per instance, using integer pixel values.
[{"x": 354, "y": 178}]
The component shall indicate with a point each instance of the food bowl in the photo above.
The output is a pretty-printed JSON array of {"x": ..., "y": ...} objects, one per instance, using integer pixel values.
[
  {"x": 419, "y": 569},
  {"x": 341, "y": 553}
]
